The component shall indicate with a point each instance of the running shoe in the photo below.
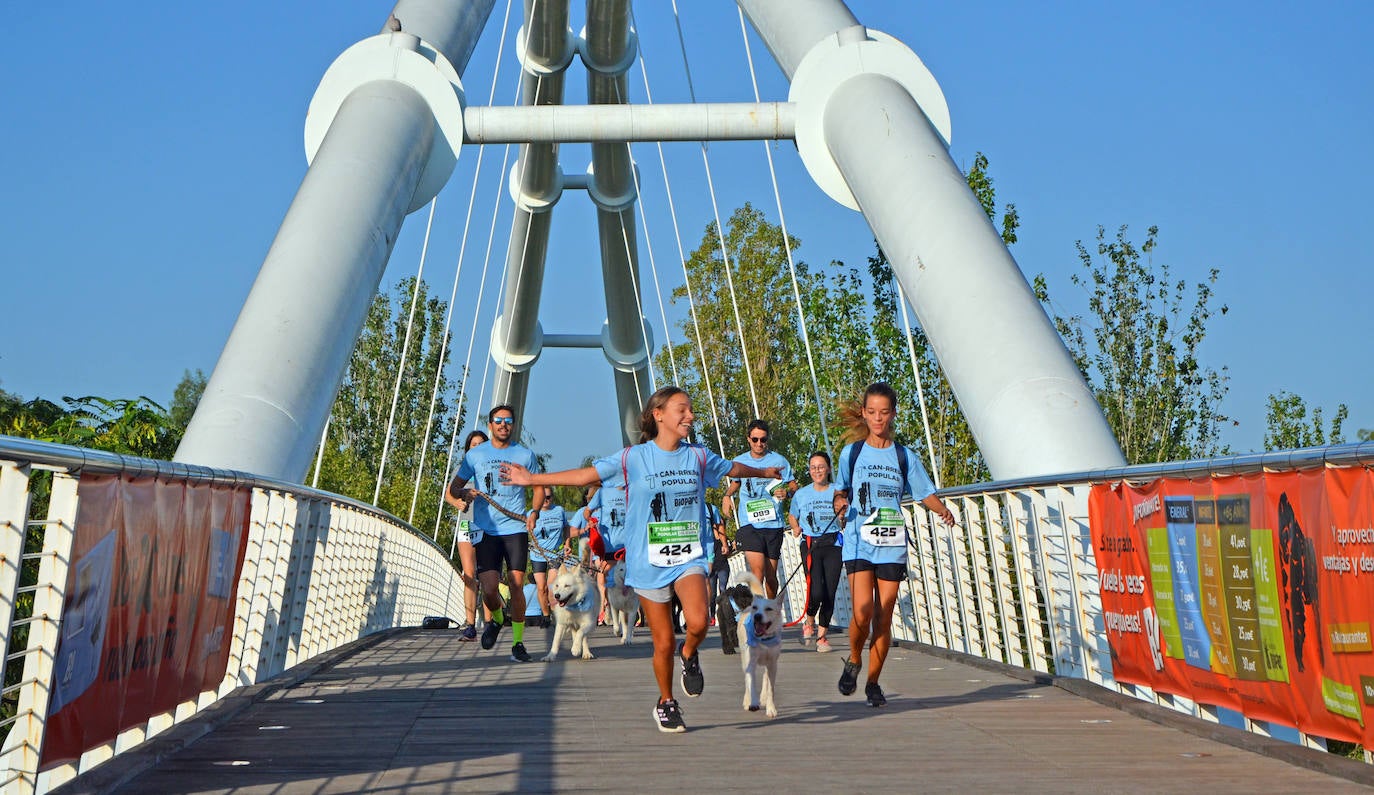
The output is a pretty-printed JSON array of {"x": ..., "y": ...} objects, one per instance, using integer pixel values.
[
  {"x": 849, "y": 680},
  {"x": 469, "y": 632},
  {"x": 808, "y": 630},
  {"x": 489, "y": 633},
  {"x": 669, "y": 717},
  {"x": 874, "y": 694},
  {"x": 822, "y": 645},
  {"x": 518, "y": 653},
  {"x": 693, "y": 682}
]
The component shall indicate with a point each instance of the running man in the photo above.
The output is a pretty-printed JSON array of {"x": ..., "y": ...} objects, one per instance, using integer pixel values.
[
  {"x": 760, "y": 514},
  {"x": 504, "y": 536}
]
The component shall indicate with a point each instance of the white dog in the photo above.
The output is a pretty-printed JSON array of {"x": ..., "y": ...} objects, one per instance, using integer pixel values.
[
  {"x": 760, "y": 645},
  {"x": 622, "y": 603},
  {"x": 576, "y": 604}
]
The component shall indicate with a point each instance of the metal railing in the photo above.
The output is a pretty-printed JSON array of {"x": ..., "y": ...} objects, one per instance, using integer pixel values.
[
  {"x": 1015, "y": 579},
  {"x": 320, "y": 570}
]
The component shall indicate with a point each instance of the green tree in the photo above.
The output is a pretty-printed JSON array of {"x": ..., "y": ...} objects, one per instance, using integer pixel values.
[
  {"x": 357, "y": 432},
  {"x": 136, "y": 427},
  {"x": 768, "y": 318},
  {"x": 1287, "y": 425},
  {"x": 186, "y": 397},
  {"x": 1139, "y": 349}
]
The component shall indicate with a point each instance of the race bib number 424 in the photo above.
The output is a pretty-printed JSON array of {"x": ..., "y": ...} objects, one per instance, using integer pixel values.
[
  {"x": 885, "y": 528},
  {"x": 674, "y": 543}
]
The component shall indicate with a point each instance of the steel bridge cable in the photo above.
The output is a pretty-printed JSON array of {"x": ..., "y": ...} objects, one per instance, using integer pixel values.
[
  {"x": 916, "y": 373},
  {"x": 453, "y": 297},
  {"x": 720, "y": 228},
  {"x": 687, "y": 278},
  {"x": 472, "y": 333},
  {"x": 405, "y": 350},
  {"x": 319, "y": 454},
  {"x": 786, "y": 242}
]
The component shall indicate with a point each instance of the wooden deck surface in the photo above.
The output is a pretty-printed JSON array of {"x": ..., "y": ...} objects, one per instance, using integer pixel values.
[{"x": 422, "y": 712}]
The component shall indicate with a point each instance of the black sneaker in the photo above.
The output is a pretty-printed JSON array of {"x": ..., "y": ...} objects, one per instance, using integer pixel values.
[
  {"x": 874, "y": 694},
  {"x": 518, "y": 653},
  {"x": 669, "y": 717},
  {"x": 849, "y": 680},
  {"x": 693, "y": 682},
  {"x": 489, "y": 633},
  {"x": 468, "y": 633}
]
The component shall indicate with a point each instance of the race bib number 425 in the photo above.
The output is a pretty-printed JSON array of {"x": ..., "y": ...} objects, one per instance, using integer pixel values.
[
  {"x": 674, "y": 543},
  {"x": 885, "y": 528}
]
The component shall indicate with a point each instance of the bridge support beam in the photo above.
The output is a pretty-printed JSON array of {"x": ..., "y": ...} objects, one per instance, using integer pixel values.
[
  {"x": 1024, "y": 397},
  {"x": 383, "y": 138}
]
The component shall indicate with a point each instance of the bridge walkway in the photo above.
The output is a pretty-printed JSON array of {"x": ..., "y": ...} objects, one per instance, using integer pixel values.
[{"x": 421, "y": 712}]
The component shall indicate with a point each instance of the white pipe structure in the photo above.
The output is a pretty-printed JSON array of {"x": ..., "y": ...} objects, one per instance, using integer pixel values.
[
  {"x": 706, "y": 121},
  {"x": 545, "y": 48},
  {"x": 382, "y": 135},
  {"x": 609, "y": 48},
  {"x": 872, "y": 128}
]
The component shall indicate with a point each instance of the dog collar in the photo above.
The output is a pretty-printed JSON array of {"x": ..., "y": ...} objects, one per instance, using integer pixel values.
[{"x": 584, "y": 604}]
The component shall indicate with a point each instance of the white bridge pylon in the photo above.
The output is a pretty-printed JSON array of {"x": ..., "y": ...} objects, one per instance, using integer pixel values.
[{"x": 389, "y": 120}]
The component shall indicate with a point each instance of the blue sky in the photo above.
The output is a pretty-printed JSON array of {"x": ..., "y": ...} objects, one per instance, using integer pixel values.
[{"x": 150, "y": 152}]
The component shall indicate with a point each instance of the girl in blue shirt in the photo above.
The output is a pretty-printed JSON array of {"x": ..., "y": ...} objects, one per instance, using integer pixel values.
[
  {"x": 812, "y": 517},
  {"x": 666, "y": 531},
  {"x": 875, "y": 535}
]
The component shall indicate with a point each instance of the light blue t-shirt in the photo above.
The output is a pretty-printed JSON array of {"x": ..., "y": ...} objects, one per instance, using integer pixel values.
[
  {"x": 481, "y": 467},
  {"x": 815, "y": 510},
  {"x": 877, "y": 489},
  {"x": 666, "y": 501},
  {"x": 754, "y": 495},
  {"x": 608, "y": 506},
  {"x": 549, "y": 531}
]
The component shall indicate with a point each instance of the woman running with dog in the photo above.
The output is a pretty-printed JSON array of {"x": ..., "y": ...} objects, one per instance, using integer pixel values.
[
  {"x": 666, "y": 531},
  {"x": 812, "y": 517},
  {"x": 465, "y": 535},
  {"x": 874, "y": 473},
  {"x": 550, "y": 538}
]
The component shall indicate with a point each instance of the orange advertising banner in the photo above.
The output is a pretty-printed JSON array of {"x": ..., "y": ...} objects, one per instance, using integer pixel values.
[
  {"x": 1252, "y": 592},
  {"x": 149, "y": 607}
]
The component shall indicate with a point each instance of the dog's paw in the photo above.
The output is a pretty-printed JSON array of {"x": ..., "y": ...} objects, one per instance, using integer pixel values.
[
  {"x": 550, "y": 657},
  {"x": 752, "y": 707},
  {"x": 587, "y": 654},
  {"x": 771, "y": 711}
]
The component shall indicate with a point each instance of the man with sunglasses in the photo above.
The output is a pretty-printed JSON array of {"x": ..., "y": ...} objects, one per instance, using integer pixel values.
[
  {"x": 505, "y": 539},
  {"x": 760, "y": 515}
]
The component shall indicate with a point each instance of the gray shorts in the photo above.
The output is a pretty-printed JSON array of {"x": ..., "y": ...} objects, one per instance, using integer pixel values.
[{"x": 664, "y": 595}]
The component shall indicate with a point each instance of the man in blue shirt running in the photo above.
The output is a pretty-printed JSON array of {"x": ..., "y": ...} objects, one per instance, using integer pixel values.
[{"x": 498, "y": 513}]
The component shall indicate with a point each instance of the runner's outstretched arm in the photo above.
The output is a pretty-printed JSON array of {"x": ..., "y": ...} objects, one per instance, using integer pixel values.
[{"x": 517, "y": 475}]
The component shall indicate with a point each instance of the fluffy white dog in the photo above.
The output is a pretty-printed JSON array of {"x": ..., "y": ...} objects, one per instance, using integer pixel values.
[
  {"x": 622, "y": 603},
  {"x": 760, "y": 644},
  {"x": 576, "y": 604}
]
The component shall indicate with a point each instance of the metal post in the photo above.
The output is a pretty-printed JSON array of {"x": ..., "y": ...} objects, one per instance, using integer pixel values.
[
  {"x": 384, "y": 130},
  {"x": 870, "y": 126}
]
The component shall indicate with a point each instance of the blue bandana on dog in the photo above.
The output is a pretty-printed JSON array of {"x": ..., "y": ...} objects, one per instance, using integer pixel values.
[{"x": 750, "y": 639}]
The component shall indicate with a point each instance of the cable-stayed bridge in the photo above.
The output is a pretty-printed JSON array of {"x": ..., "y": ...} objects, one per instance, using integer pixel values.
[{"x": 1015, "y": 582}]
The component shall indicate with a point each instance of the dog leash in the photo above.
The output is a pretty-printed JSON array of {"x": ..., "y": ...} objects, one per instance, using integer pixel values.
[{"x": 552, "y": 556}]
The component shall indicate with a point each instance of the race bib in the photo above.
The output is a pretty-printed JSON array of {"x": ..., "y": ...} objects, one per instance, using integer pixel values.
[
  {"x": 885, "y": 528},
  {"x": 674, "y": 543},
  {"x": 761, "y": 510},
  {"x": 466, "y": 533}
]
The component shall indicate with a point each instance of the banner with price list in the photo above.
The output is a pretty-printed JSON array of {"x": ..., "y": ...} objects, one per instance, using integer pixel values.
[{"x": 1254, "y": 593}]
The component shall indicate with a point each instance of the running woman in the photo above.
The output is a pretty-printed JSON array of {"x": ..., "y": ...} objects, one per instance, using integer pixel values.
[
  {"x": 666, "y": 531},
  {"x": 760, "y": 513},
  {"x": 812, "y": 516},
  {"x": 465, "y": 536},
  {"x": 504, "y": 537},
  {"x": 868, "y": 491},
  {"x": 550, "y": 536}
]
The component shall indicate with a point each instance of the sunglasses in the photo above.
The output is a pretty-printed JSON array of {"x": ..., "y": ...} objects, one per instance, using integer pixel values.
[
  {"x": 503, "y": 421},
  {"x": 758, "y": 439}
]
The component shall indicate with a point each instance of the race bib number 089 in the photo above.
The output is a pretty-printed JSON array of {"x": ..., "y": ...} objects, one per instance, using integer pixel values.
[
  {"x": 885, "y": 528},
  {"x": 674, "y": 543},
  {"x": 760, "y": 511}
]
